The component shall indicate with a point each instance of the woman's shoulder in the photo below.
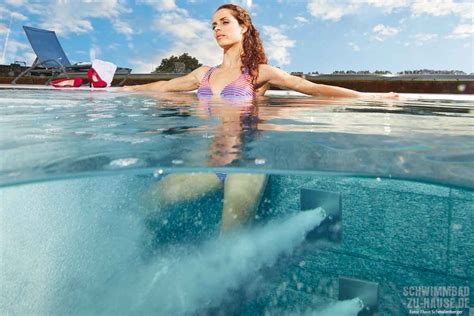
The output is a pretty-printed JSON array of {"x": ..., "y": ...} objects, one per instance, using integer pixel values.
[
  {"x": 266, "y": 72},
  {"x": 202, "y": 70},
  {"x": 265, "y": 67},
  {"x": 199, "y": 73}
]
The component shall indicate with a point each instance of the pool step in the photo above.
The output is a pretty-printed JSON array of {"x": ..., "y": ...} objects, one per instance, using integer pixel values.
[
  {"x": 331, "y": 227},
  {"x": 367, "y": 291}
]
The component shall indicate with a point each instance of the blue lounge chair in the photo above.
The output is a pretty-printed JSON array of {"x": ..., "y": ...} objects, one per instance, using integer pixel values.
[{"x": 51, "y": 59}]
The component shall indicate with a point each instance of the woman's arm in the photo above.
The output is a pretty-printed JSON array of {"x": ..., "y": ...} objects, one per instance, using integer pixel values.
[
  {"x": 188, "y": 82},
  {"x": 280, "y": 78}
]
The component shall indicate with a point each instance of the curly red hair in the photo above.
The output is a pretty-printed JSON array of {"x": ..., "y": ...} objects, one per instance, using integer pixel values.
[{"x": 253, "y": 54}]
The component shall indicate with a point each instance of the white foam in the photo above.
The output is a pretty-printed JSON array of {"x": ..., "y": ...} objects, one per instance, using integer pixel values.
[
  {"x": 61, "y": 242},
  {"x": 72, "y": 247},
  {"x": 202, "y": 279},
  {"x": 342, "y": 308}
]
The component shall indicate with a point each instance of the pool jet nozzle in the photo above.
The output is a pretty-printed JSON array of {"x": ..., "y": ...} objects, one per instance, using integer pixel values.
[
  {"x": 366, "y": 291},
  {"x": 331, "y": 227}
]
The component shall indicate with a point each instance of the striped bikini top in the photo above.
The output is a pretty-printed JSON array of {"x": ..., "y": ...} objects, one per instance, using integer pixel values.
[{"x": 240, "y": 87}]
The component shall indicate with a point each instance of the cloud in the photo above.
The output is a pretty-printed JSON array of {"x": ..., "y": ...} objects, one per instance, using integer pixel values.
[
  {"x": 113, "y": 46},
  {"x": 387, "y": 5},
  {"x": 14, "y": 51},
  {"x": 277, "y": 45},
  {"x": 334, "y": 10},
  {"x": 354, "y": 46},
  {"x": 141, "y": 67},
  {"x": 6, "y": 14},
  {"x": 66, "y": 17},
  {"x": 3, "y": 28},
  {"x": 462, "y": 31},
  {"x": 181, "y": 26},
  {"x": 189, "y": 35},
  {"x": 168, "y": 4},
  {"x": 123, "y": 28},
  {"x": 18, "y": 16},
  {"x": 422, "y": 38},
  {"x": 331, "y": 10},
  {"x": 13, "y": 46},
  {"x": 160, "y": 5},
  {"x": 301, "y": 19},
  {"x": 78, "y": 16},
  {"x": 94, "y": 52},
  {"x": 442, "y": 8},
  {"x": 383, "y": 32},
  {"x": 16, "y": 2},
  {"x": 205, "y": 50},
  {"x": 29, "y": 57}
]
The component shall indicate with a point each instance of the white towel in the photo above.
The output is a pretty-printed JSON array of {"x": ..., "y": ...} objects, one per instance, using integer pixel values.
[{"x": 105, "y": 70}]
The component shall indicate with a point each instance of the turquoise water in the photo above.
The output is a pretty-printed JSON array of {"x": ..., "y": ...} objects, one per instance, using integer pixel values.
[{"x": 81, "y": 233}]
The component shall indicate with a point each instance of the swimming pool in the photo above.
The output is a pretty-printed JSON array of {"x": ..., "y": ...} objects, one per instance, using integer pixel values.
[{"x": 80, "y": 233}]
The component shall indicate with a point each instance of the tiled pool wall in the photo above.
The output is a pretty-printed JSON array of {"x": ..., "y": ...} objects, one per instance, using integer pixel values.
[{"x": 396, "y": 233}]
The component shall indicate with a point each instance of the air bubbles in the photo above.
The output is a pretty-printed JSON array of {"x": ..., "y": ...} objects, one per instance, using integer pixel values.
[
  {"x": 120, "y": 163},
  {"x": 158, "y": 172},
  {"x": 177, "y": 162},
  {"x": 456, "y": 226},
  {"x": 260, "y": 161}
]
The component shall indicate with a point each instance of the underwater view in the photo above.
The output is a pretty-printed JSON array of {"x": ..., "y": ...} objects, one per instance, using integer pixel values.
[{"x": 165, "y": 204}]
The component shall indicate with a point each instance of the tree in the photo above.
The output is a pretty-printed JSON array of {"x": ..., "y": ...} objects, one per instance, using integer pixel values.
[{"x": 170, "y": 64}]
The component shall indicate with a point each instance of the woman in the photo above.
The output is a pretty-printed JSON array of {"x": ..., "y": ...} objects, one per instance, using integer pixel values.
[
  {"x": 244, "y": 72},
  {"x": 242, "y": 192},
  {"x": 244, "y": 69}
]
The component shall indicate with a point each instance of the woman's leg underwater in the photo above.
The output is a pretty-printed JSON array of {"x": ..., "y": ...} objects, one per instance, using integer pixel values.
[
  {"x": 182, "y": 187},
  {"x": 242, "y": 195}
]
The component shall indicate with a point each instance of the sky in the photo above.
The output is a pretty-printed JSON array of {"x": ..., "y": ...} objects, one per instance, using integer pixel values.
[{"x": 298, "y": 35}]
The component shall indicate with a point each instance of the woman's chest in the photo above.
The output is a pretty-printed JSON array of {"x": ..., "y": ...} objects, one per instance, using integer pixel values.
[{"x": 219, "y": 79}]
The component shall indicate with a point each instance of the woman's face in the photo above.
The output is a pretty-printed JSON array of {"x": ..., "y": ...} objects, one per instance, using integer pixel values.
[{"x": 226, "y": 28}]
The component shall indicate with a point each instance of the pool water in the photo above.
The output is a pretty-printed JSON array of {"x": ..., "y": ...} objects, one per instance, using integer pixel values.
[{"x": 81, "y": 233}]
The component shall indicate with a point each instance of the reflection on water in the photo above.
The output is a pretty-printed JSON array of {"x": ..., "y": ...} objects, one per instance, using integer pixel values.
[{"x": 55, "y": 134}]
